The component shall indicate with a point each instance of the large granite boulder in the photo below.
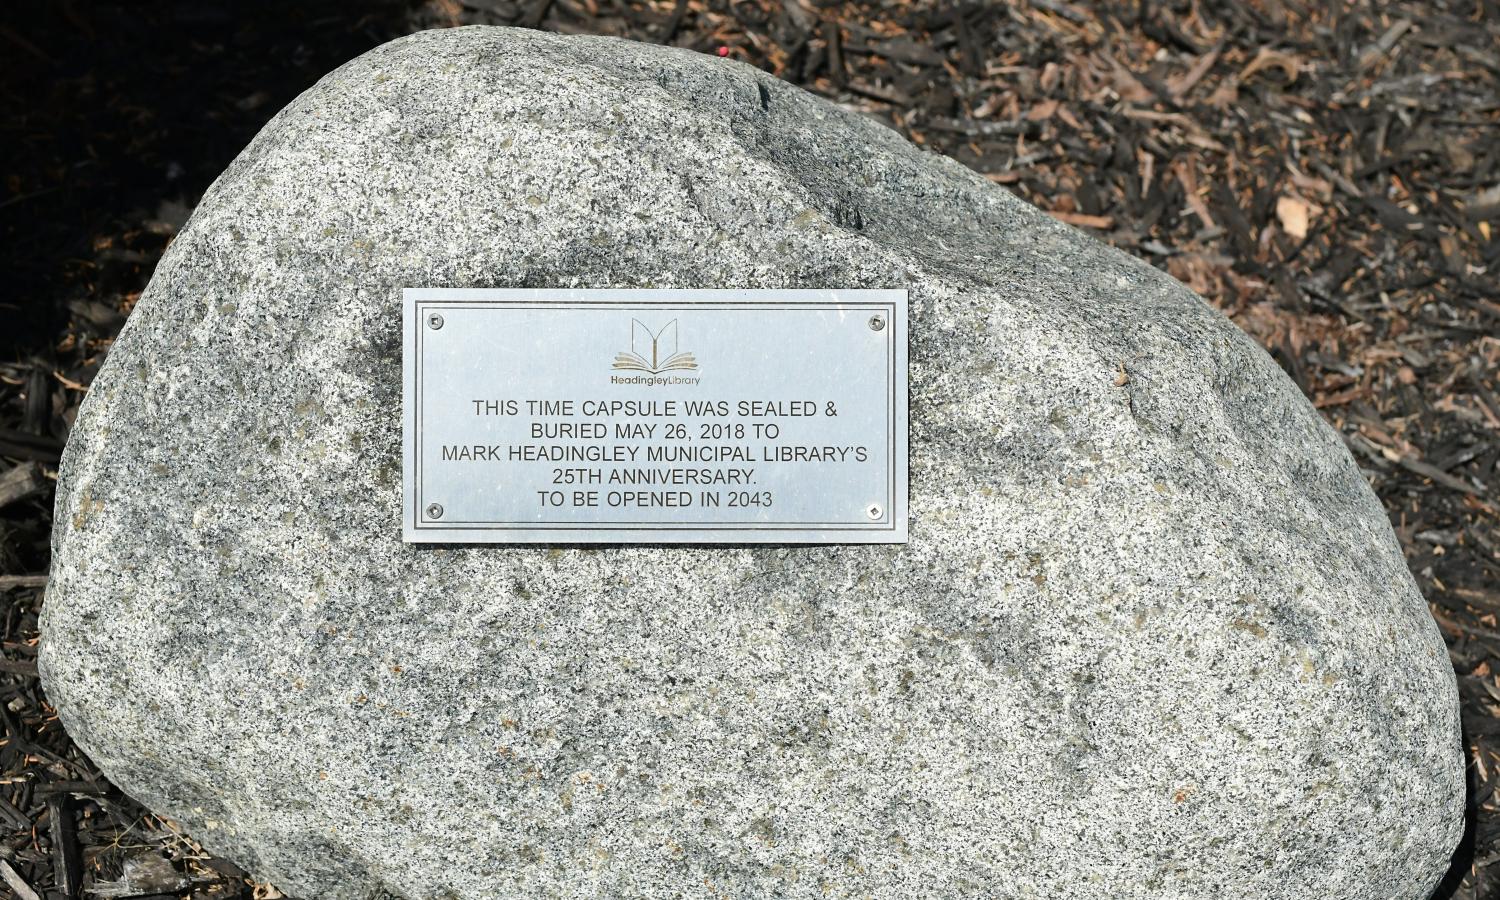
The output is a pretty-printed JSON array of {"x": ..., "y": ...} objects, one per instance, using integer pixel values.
[{"x": 1152, "y": 636}]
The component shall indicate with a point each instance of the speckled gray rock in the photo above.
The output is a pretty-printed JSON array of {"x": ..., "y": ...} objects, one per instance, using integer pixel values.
[{"x": 1150, "y": 639}]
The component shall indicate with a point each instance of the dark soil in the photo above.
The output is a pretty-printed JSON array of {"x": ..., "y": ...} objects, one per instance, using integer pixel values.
[{"x": 1326, "y": 174}]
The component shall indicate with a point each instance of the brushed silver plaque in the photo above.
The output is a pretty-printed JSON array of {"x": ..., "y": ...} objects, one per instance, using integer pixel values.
[{"x": 654, "y": 416}]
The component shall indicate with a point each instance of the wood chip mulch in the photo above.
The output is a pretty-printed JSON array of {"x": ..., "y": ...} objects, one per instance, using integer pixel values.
[{"x": 1326, "y": 174}]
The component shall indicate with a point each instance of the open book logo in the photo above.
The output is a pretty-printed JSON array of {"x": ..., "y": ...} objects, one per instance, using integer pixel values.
[{"x": 653, "y": 352}]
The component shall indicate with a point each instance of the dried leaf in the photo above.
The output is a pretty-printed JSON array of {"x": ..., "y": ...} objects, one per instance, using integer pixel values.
[
  {"x": 1293, "y": 214},
  {"x": 1268, "y": 58}
]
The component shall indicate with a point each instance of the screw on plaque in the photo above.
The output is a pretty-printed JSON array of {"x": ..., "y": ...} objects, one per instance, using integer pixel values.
[
  {"x": 434, "y": 321},
  {"x": 434, "y": 510},
  {"x": 873, "y": 510},
  {"x": 877, "y": 323}
]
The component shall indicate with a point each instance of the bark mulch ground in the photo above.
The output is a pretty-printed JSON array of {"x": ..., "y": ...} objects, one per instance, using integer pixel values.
[{"x": 1326, "y": 174}]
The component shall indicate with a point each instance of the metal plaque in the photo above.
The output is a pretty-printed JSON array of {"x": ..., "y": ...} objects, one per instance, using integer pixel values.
[{"x": 654, "y": 416}]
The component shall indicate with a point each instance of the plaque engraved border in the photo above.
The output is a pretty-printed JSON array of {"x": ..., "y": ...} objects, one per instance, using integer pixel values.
[{"x": 457, "y": 340}]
